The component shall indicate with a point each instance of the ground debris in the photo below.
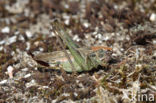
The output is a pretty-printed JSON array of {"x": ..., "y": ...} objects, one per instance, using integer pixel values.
[{"x": 126, "y": 26}]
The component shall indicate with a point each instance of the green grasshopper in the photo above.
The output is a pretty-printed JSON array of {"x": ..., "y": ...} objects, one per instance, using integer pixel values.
[{"x": 75, "y": 59}]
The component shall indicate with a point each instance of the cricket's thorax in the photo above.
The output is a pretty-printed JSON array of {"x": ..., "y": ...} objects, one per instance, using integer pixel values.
[{"x": 58, "y": 59}]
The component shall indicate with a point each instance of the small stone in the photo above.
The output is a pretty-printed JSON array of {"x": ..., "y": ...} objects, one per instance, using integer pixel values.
[
  {"x": 76, "y": 38},
  {"x": 21, "y": 37},
  {"x": 31, "y": 83},
  {"x": 66, "y": 6},
  {"x": 1, "y": 48},
  {"x": 28, "y": 45},
  {"x": 27, "y": 76},
  {"x": 99, "y": 36},
  {"x": 105, "y": 38},
  {"x": 45, "y": 87},
  {"x": 11, "y": 40},
  {"x": 29, "y": 34},
  {"x": 86, "y": 25},
  {"x": 17, "y": 33},
  {"x": 10, "y": 71},
  {"x": 5, "y": 30},
  {"x": 41, "y": 49},
  {"x": 3, "y": 82},
  {"x": 52, "y": 34},
  {"x": 36, "y": 43},
  {"x": 75, "y": 94},
  {"x": 2, "y": 42},
  {"x": 153, "y": 17},
  {"x": 67, "y": 21},
  {"x": 25, "y": 69}
]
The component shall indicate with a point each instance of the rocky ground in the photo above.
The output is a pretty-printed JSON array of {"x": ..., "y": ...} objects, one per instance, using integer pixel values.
[{"x": 126, "y": 26}]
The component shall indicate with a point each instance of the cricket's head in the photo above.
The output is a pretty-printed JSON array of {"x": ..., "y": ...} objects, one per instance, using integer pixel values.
[{"x": 101, "y": 55}]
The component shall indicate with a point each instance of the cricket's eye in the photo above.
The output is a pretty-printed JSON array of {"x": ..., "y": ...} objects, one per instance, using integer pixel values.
[
  {"x": 92, "y": 55},
  {"x": 101, "y": 53}
]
